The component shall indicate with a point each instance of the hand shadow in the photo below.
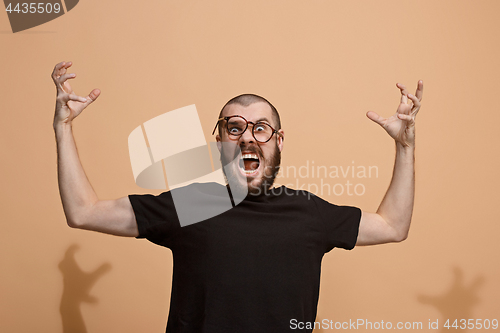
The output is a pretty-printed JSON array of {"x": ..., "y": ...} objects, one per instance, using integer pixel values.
[
  {"x": 77, "y": 285},
  {"x": 457, "y": 302}
]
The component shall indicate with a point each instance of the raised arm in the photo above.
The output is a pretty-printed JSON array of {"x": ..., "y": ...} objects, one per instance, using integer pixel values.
[
  {"x": 80, "y": 203},
  {"x": 391, "y": 222}
]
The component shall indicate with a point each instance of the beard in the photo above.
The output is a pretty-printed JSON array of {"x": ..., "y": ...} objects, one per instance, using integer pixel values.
[{"x": 260, "y": 184}]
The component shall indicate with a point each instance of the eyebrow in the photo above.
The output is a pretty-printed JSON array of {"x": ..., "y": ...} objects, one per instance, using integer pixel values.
[
  {"x": 261, "y": 119},
  {"x": 257, "y": 121}
]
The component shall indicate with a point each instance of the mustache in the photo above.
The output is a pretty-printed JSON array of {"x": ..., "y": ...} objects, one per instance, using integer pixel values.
[{"x": 248, "y": 149}]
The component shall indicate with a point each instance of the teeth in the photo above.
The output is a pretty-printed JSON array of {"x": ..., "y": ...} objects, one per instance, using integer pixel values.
[{"x": 249, "y": 156}]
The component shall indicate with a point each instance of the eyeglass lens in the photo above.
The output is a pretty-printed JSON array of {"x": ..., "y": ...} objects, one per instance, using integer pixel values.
[{"x": 236, "y": 126}]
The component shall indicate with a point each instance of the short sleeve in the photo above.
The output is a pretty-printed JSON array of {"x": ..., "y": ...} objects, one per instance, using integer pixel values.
[
  {"x": 341, "y": 224},
  {"x": 156, "y": 217}
]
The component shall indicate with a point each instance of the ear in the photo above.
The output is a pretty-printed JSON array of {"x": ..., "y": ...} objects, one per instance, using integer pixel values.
[
  {"x": 281, "y": 139},
  {"x": 219, "y": 144}
]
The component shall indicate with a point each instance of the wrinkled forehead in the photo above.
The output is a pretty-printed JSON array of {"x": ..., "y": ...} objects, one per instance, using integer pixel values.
[{"x": 258, "y": 111}]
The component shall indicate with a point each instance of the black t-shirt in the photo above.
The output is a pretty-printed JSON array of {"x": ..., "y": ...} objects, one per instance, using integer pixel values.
[{"x": 251, "y": 269}]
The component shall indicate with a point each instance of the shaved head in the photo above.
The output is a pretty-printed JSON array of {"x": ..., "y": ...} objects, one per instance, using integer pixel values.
[{"x": 248, "y": 99}]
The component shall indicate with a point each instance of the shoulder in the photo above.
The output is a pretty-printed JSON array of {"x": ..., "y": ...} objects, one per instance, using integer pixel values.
[{"x": 321, "y": 205}]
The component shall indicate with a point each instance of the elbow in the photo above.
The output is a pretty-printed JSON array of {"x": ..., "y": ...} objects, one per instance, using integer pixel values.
[
  {"x": 75, "y": 222},
  {"x": 400, "y": 230},
  {"x": 400, "y": 236},
  {"x": 78, "y": 218},
  {"x": 72, "y": 223},
  {"x": 397, "y": 230}
]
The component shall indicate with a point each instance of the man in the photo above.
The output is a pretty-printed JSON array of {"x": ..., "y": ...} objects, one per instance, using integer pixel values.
[{"x": 255, "y": 267}]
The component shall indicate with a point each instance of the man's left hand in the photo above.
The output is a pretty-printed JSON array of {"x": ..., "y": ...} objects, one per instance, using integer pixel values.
[{"x": 401, "y": 125}]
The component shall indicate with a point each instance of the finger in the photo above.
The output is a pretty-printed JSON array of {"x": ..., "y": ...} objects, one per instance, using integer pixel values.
[
  {"x": 376, "y": 118},
  {"x": 416, "y": 105},
  {"x": 92, "y": 96},
  {"x": 404, "y": 92},
  {"x": 55, "y": 72},
  {"x": 60, "y": 69},
  {"x": 415, "y": 100},
  {"x": 64, "y": 67},
  {"x": 404, "y": 99},
  {"x": 420, "y": 90},
  {"x": 402, "y": 87},
  {"x": 65, "y": 77},
  {"x": 67, "y": 64},
  {"x": 406, "y": 117},
  {"x": 76, "y": 98}
]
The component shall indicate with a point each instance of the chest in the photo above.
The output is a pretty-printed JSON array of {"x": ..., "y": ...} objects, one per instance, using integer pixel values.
[{"x": 252, "y": 230}]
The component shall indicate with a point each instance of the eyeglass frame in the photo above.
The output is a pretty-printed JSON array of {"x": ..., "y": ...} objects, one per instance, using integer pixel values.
[{"x": 248, "y": 122}]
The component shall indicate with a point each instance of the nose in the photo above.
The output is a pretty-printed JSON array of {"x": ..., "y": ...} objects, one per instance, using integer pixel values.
[{"x": 247, "y": 136}]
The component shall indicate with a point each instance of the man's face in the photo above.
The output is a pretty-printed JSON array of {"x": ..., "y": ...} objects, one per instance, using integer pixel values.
[{"x": 259, "y": 162}]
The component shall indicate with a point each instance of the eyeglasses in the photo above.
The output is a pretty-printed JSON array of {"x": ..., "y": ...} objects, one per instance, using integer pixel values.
[{"x": 237, "y": 125}]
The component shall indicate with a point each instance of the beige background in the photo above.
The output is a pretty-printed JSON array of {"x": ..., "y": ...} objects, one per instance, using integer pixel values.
[{"x": 323, "y": 64}]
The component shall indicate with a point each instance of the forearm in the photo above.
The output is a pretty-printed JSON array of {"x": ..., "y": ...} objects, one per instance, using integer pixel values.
[
  {"x": 77, "y": 195},
  {"x": 391, "y": 223},
  {"x": 397, "y": 206}
]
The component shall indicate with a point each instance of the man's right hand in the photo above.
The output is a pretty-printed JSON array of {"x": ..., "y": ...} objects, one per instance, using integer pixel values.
[
  {"x": 68, "y": 104},
  {"x": 82, "y": 207}
]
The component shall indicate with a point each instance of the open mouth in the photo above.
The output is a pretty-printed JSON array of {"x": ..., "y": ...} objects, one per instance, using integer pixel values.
[{"x": 249, "y": 164}]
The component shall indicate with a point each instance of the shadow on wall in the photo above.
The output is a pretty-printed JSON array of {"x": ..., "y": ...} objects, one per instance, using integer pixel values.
[
  {"x": 76, "y": 288},
  {"x": 457, "y": 302}
]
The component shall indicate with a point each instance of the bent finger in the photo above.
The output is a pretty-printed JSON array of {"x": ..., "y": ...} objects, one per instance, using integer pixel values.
[
  {"x": 404, "y": 92},
  {"x": 57, "y": 67},
  {"x": 65, "y": 77},
  {"x": 56, "y": 72},
  {"x": 420, "y": 90},
  {"x": 92, "y": 96},
  {"x": 406, "y": 117},
  {"x": 415, "y": 100},
  {"x": 76, "y": 98},
  {"x": 60, "y": 69}
]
